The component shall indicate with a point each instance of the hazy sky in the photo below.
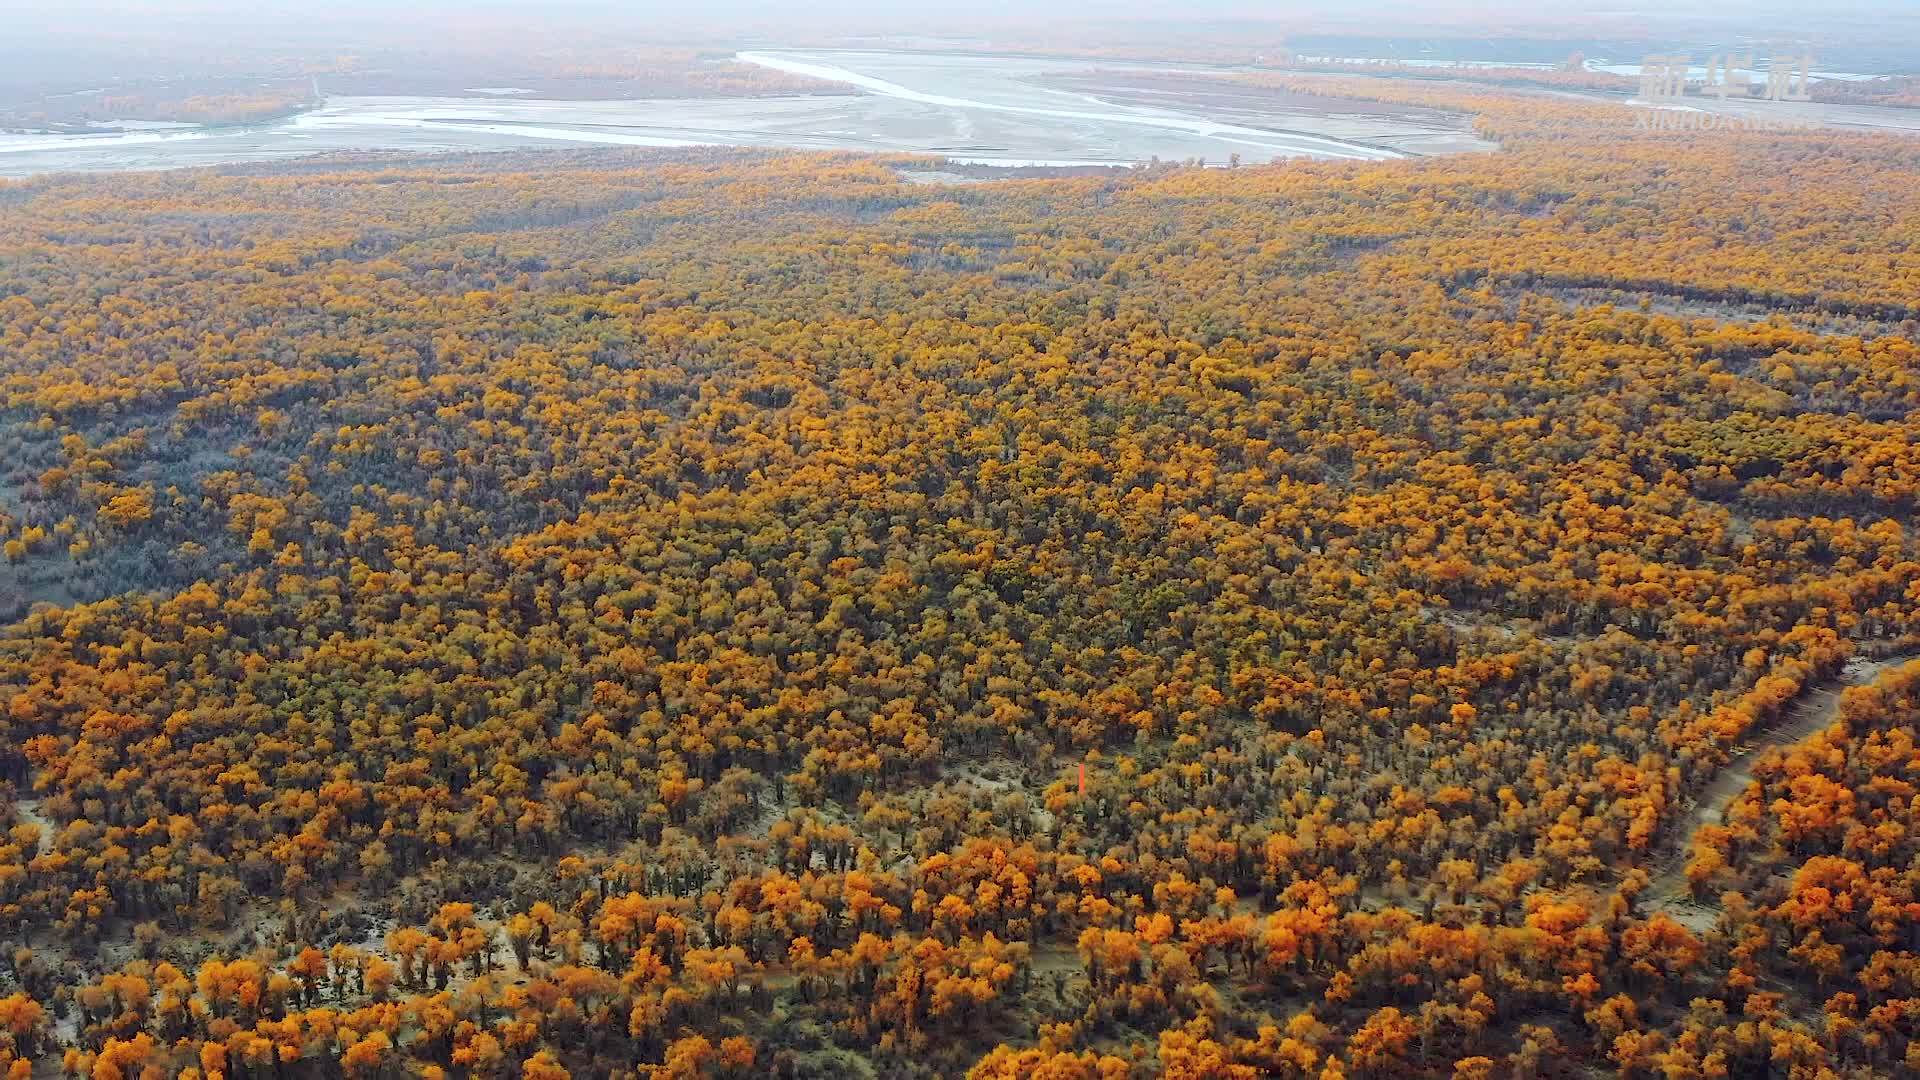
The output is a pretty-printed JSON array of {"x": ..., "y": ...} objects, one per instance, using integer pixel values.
[
  {"x": 39, "y": 12},
  {"x": 27, "y": 25}
]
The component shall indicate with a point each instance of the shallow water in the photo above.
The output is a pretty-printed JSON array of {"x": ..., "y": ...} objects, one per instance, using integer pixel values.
[
  {"x": 964, "y": 91},
  {"x": 992, "y": 110}
]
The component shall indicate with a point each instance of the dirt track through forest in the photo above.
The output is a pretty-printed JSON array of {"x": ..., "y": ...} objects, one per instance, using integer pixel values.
[{"x": 1813, "y": 711}]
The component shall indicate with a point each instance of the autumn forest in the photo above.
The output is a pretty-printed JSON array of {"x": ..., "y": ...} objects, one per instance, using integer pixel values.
[{"x": 651, "y": 614}]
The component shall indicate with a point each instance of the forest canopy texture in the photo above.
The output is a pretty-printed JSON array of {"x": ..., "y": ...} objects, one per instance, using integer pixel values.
[{"x": 648, "y": 615}]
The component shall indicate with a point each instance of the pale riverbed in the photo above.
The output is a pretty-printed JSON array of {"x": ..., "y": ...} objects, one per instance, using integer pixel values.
[{"x": 985, "y": 110}]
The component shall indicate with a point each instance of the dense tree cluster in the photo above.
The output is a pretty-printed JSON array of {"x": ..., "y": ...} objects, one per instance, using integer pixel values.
[
  {"x": 1820, "y": 862},
  {"x": 1898, "y": 91},
  {"x": 667, "y": 72},
  {"x": 238, "y": 108},
  {"x": 650, "y": 614},
  {"x": 1571, "y": 76}
]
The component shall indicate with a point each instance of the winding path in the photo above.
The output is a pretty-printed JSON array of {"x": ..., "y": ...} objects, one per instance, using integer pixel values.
[
  {"x": 27, "y": 811},
  {"x": 1813, "y": 711}
]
